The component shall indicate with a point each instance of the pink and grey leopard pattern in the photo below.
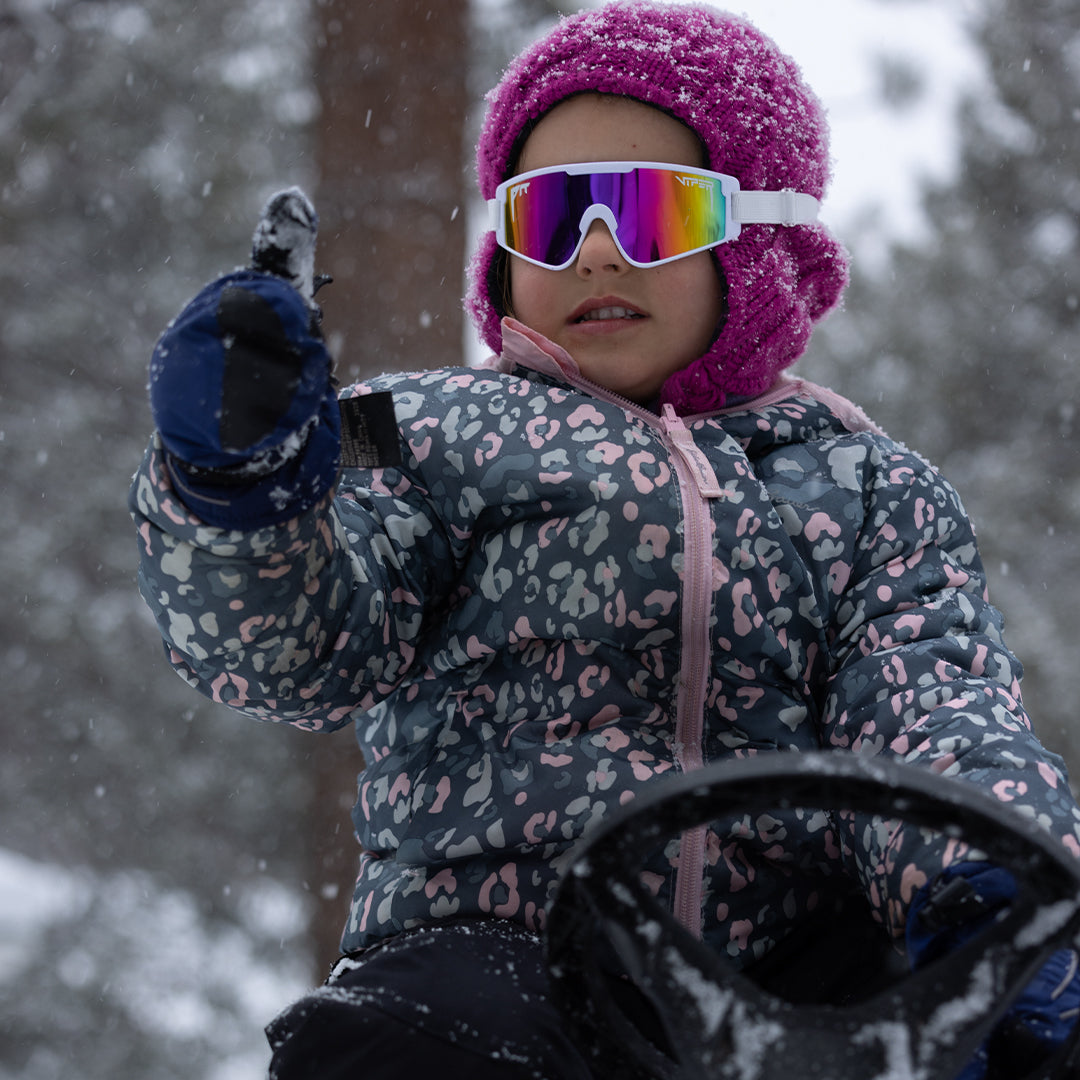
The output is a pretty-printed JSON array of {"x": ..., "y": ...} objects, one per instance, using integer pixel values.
[{"x": 559, "y": 597}]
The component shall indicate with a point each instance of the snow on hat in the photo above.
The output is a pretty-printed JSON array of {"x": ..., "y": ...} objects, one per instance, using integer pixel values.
[{"x": 757, "y": 120}]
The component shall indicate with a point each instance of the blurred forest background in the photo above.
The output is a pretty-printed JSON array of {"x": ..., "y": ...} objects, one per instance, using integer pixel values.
[{"x": 171, "y": 875}]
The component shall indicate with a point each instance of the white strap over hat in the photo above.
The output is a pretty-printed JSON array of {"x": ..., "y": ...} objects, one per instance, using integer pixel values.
[{"x": 774, "y": 207}]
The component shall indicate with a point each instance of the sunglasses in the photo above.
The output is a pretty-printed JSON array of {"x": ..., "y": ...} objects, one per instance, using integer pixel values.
[{"x": 656, "y": 213}]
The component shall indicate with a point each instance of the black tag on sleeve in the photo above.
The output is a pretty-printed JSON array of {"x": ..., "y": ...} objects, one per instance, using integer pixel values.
[{"x": 369, "y": 432}]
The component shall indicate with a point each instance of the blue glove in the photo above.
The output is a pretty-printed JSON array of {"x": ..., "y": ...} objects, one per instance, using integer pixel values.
[
  {"x": 955, "y": 907},
  {"x": 241, "y": 388}
]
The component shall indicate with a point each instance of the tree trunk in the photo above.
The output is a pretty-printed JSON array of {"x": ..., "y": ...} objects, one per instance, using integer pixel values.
[
  {"x": 392, "y": 78},
  {"x": 391, "y": 196}
]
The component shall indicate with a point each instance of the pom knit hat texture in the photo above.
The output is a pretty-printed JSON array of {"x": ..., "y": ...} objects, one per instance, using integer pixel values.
[{"x": 757, "y": 120}]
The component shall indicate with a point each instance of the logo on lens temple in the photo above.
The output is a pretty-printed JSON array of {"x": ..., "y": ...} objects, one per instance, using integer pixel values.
[
  {"x": 694, "y": 181},
  {"x": 515, "y": 191}
]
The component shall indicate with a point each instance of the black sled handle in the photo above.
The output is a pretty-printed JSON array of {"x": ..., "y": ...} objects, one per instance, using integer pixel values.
[{"x": 719, "y": 1024}]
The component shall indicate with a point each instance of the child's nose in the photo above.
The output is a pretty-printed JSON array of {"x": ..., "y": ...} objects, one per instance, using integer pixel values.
[{"x": 599, "y": 252}]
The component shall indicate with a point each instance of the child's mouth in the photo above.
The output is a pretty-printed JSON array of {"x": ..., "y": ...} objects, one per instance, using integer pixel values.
[{"x": 609, "y": 313}]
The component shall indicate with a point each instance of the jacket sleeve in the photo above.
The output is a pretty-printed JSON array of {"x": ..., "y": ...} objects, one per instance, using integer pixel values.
[
  {"x": 920, "y": 672},
  {"x": 305, "y": 622}
]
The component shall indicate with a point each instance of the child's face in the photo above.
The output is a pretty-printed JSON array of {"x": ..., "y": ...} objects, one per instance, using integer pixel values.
[{"x": 676, "y": 307}]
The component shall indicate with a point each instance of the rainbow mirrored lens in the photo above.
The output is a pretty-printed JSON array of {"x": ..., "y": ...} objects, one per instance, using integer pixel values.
[{"x": 660, "y": 213}]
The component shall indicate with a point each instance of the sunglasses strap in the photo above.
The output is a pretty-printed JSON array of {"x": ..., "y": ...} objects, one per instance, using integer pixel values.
[{"x": 774, "y": 208}]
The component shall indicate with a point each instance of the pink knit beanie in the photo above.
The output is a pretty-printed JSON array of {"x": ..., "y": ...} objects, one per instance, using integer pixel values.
[{"x": 757, "y": 120}]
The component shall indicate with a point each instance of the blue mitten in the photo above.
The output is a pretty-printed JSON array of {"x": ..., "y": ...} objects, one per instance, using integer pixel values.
[
  {"x": 241, "y": 388},
  {"x": 955, "y": 907}
]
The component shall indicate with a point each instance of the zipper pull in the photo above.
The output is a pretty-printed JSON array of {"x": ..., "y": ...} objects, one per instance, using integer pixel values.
[{"x": 682, "y": 440}]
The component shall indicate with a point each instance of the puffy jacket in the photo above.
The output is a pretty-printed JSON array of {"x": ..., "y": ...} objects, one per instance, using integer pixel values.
[{"x": 559, "y": 596}]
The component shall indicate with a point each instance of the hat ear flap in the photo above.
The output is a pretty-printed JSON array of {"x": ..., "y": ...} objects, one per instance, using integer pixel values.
[
  {"x": 823, "y": 269},
  {"x": 781, "y": 280}
]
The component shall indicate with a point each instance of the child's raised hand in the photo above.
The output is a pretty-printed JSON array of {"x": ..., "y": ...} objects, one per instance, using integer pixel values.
[{"x": 240, "y": 383}]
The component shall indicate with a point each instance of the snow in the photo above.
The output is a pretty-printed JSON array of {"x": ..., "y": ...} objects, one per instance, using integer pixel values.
[
  {"x": 1046, "y": 922},
  {"x": 284, "y": 240},
  {"x": 895, "y": 1039},
  {"x": 976, "y": 1002},
  {"x": 32, "y": 897},
  {"x": 213, "y": 985}
]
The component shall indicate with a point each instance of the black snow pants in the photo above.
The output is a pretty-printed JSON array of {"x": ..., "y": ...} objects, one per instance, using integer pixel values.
[
  {"x": 460, "y": 1001},
  {"x": 469, "y": 1001}
]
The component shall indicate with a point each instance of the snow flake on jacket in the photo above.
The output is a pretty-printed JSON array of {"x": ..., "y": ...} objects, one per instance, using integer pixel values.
[{"x": 559, "y": 597}]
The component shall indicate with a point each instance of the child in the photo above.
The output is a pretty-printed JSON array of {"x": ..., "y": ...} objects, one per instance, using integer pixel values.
[{"x": 629, "y": 546}]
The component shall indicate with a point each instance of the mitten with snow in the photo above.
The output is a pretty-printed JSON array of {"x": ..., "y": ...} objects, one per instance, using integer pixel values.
[
  {"x": 958, "y": 905},
  {"x": 241, "y": 387}
]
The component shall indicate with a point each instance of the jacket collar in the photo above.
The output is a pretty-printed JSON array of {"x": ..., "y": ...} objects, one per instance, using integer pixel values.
[{"x": 524, "y": 347}]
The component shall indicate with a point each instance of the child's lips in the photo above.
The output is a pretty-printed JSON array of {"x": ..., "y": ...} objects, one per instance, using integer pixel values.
[{"x": 605, "y": 313}]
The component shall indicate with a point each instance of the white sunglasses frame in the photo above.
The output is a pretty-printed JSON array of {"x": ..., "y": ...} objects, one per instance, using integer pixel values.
[{"x": 741, "y": 207}]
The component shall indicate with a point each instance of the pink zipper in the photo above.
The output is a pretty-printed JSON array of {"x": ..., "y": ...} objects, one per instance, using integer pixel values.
[{"x": 697, "y": 485}]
